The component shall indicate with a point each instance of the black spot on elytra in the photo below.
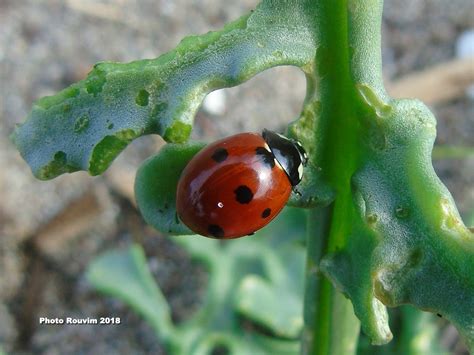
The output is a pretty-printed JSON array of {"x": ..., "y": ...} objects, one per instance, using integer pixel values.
[
  {"x": 251, "y": 234},
  {"x": 266, "y": 156},
  {"x": 243, "y": 194},
  {"x": 266, "y": 212},
  {"x": 215, "y": 230},
  {"x": 220, "y": 154}
]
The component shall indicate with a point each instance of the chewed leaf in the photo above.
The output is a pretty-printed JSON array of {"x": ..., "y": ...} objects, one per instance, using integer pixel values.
[
  {"x": 156, "y": 183},
  {"x": 85, "y": 126}
]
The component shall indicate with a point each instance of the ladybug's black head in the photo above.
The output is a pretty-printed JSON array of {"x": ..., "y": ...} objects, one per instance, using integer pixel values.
[{"x": 289, "y": 153}]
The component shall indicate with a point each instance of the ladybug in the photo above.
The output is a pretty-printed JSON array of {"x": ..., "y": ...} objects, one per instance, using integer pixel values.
[{"x": 237, "y": 185}]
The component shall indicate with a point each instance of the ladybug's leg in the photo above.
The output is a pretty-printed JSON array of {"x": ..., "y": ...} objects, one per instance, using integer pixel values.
[{"x": 295, "y": 190}]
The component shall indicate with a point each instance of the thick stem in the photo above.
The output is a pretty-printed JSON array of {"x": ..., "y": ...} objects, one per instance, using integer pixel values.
[
  {"x": 330, "y": 324},
  {"x": 348, "y": 30}
]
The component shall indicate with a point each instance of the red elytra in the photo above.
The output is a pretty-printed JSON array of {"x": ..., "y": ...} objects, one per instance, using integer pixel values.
[{"x": 232, "y": 188}]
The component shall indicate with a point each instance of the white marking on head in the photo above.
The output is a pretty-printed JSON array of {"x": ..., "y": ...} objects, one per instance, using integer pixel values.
[{"x": 300, "y": 171}]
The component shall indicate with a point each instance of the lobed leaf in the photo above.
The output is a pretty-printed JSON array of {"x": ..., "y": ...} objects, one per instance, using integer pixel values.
[{"x": 85, "y": 126}]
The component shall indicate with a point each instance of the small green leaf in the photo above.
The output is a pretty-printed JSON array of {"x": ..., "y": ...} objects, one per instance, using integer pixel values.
[
  {"x": 278, "y": 309},
  {"x": 125, "y": 274},
  {"x": 156, "y": 183}
]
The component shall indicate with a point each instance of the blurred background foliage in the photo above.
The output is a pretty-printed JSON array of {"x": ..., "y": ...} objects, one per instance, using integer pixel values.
[
  {"x": 51, "y": 231},
  {"x": 254, "y": 298}
]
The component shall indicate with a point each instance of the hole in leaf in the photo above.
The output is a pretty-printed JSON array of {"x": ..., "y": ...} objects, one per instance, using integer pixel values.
[
  {"x": 108, "y": 148},
  {"x": 142, "y": 98},
  {"x": 271, "y": 100},
  {"x": 57, "y": 166},
  {"x": 416, "y": 257},
  {"x": 82, "y": 122}
]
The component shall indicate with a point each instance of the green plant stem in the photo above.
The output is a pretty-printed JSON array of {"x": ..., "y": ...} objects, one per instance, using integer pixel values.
[
  {"x": 330, "y": 324},
  {"x": 419, "y": 333},
  {"x": 348, "y": 30}
]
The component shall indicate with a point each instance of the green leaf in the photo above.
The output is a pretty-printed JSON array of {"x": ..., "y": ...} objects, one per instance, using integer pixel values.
[
  {"x": 156, "y": 183},
  {"x": 85, "y": 126},
  {"x": 125, "y": 274},
  {"x": 277, "y": 308},
  {"x": 217, "y": 325},
  {"x": 274, "y": 254}
]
